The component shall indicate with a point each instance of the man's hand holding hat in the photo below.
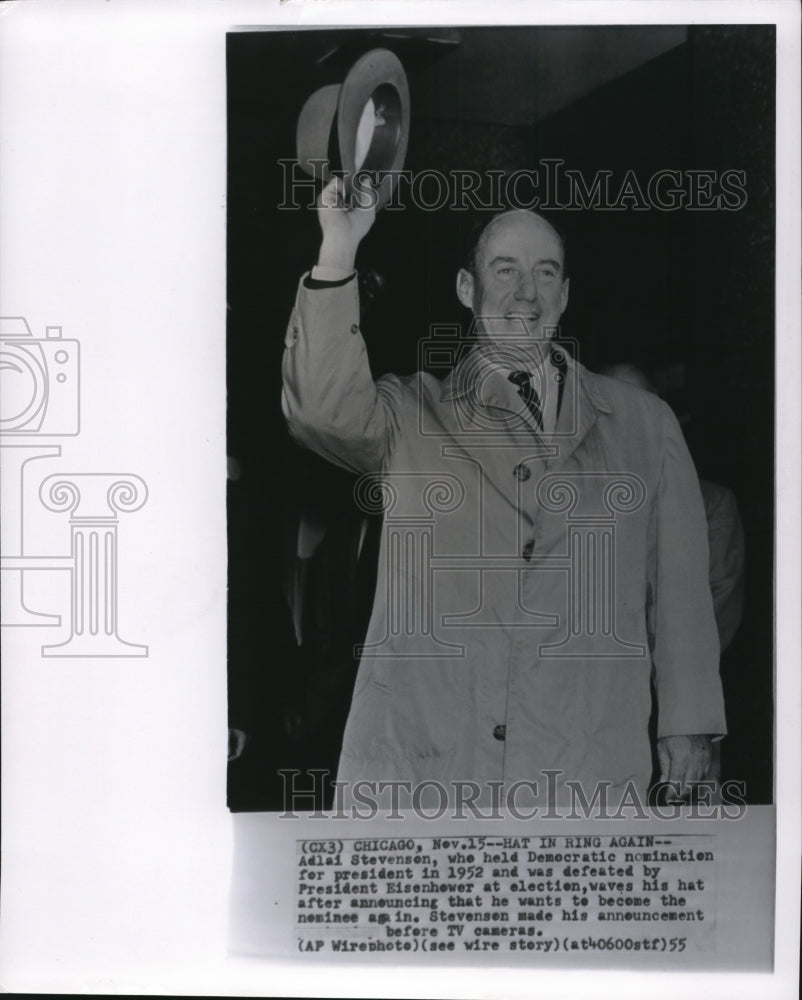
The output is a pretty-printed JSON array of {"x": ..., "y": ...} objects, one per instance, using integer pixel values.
[{"x": 343, "y": 225}]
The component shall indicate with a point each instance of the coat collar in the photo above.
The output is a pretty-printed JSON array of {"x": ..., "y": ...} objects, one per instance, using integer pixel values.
[
  {"x": 480, "y": 364},
  {"x": 479, "y": 381},
  {"x": 484, "y": 367}
]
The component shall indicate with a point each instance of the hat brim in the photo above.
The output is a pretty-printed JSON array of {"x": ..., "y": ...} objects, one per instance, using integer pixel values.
[
  {"x": 315, "y": 132},
  {"x": 378, "y": 76}
]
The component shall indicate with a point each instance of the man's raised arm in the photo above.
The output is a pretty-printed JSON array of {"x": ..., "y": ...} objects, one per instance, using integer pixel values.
[{"x": 329, "y": 398}]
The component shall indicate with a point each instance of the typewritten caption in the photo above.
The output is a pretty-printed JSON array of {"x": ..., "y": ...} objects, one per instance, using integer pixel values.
[{"x": 531, "y": 894}]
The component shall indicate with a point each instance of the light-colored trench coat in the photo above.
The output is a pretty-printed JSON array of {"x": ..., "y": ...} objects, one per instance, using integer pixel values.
[{"x": 529, "y": 585}]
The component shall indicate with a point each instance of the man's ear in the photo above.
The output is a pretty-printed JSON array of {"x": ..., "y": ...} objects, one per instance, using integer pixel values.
[
  {"x": 465, "y": 287},
  {"x": 564, "y": 295}
]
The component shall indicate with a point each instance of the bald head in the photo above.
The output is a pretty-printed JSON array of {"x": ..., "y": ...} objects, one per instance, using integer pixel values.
[
  {"x": 481, "y": 233},
  {"x": 516, "y": 287}
]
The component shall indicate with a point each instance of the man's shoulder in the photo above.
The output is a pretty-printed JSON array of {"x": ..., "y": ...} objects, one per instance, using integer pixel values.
[
  {"x": 622, "y": 395},
  {"x": 417, "y": 383}
]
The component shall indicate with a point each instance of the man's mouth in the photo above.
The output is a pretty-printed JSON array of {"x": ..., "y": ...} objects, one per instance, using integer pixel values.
[{"x": 528, "y": 317}]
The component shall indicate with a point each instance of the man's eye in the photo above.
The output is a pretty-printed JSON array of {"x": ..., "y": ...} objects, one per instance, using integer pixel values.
[
  {"x": 506, "y": 271},
  {"x": 546, "y": 272}
]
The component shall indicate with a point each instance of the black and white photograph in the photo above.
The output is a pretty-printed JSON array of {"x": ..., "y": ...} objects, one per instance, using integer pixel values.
[
  {"x": 400, "y": 498},
  {"x": 495, "y": 526},
  {"x": 501, "y": 477}
]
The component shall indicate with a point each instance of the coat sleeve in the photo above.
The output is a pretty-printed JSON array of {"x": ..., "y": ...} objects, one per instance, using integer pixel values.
[
  {"x": 726, "y": 537},
  {"x": 685, "y": 643},
  {"x": 329, "y": 399}
]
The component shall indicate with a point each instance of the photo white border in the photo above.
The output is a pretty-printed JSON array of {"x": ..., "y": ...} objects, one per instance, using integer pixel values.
[{"x": 116, "y": 837}]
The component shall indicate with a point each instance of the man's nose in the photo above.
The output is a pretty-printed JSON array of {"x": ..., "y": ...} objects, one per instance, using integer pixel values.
[{"x": 526, "y": 288}]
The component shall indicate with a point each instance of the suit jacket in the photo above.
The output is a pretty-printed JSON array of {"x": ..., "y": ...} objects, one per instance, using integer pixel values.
[{"x": 529, "y": 585}]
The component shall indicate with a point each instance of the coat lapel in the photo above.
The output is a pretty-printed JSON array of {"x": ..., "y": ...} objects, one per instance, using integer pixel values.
[
  {"x": 479, "y": 383},
  {"x": 582, "y": 402}
]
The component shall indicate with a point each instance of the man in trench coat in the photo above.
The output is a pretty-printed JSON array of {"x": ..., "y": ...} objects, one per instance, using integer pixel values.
[{"x": 544, "y": 555}]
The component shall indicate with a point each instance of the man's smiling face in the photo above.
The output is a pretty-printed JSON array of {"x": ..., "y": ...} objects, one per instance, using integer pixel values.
[{"x": 517, "y": 288}]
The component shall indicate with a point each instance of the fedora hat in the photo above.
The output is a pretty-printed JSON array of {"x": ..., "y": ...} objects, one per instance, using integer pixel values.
[{"x": 361, "y": 124}]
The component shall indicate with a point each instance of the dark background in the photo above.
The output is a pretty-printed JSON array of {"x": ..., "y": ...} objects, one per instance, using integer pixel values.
[{"x": 687, "y": 295}]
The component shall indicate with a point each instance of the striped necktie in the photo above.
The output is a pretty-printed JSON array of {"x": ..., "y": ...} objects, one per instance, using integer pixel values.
[{"x": 528, "y": 394}]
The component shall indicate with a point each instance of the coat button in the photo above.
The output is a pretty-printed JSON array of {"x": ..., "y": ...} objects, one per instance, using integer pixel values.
[
  {"x": 522, "y": 472},
  {"x": 499, "y": 732},
  {"x": 527, "y": 550},
  {"x": 354, "y": 328}
]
